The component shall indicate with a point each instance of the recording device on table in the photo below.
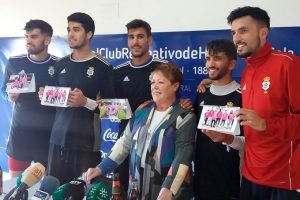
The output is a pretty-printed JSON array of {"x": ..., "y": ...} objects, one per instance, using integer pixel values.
[
  {"x": 75, "y": 190},
  {"x": 48, "y": 185},
  {"x": 30, "y": 177}
]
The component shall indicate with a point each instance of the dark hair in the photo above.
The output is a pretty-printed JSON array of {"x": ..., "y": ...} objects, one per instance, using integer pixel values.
[
  {"x": 86, "y": 21},
  {"x": 256, "y": 13},
  {"x": 222, "y": 45},
  {"x": 138, "y": 23},
  {"x": 39, "y": 24},
  {"x": 170, "y": 71}
]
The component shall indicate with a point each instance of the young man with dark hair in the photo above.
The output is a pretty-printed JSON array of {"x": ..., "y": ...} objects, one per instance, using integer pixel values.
[
  {"x": 138, "y": 23},
  {"x": 217, "y": 174},
  {"x": 74, "y": 142},
  {"x": 132, "y": 77},
  {"x": 85, "y": 20},
  {"x": 44, "y": 27},
  {"x": 31, "y": 123},
  {"x": 271, "y": 110}
]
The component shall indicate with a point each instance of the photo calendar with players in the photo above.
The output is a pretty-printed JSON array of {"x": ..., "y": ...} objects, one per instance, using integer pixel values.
[{"x": 220, "y": 119}]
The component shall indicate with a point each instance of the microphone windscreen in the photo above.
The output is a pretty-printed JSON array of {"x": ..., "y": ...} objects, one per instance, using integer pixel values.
[
  {"x": 49, "y": 184},
  {"x": 59, "y": 193},
  {"x": 33, "y": 174},
  {"x": 99, "y": 191},
  {"x": 76, "y": 190}
]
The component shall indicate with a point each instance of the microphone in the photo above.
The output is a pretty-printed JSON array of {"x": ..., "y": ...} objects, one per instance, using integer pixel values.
[
  {"x": 22, "y": 196},
  {"x": 31, "y": 176},
  {"x": 74, "y": 190},
  {"x": 99, "y": 191},
  {"x": 18, "y": 182},
  {"x": 47, "y": 187},
  {"x": 59, "y": 193}
]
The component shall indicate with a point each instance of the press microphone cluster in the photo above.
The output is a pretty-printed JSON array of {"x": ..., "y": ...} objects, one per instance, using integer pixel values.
[
  {"x": 31, "y": 176},
  {"x": 48, "y": 185}
]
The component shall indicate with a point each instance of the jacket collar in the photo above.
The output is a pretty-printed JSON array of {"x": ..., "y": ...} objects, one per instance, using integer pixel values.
[{"x": 260, "y": 55}]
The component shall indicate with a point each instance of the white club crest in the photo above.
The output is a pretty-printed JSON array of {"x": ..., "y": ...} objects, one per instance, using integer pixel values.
[
  {"x": 90, "y": 71},
  {"x": 266, "y": 84},
  {"x": 51, "y": 70}
]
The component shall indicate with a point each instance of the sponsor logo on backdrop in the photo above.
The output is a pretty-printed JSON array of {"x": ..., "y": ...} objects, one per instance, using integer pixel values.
[{"x": 110, "y": 136}]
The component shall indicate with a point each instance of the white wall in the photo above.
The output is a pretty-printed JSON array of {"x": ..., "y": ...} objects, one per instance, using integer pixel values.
[{"x": 164, "y": 15}]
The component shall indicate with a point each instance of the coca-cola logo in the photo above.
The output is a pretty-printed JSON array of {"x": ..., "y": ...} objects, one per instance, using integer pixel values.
[{"x": 110, "y": 136}]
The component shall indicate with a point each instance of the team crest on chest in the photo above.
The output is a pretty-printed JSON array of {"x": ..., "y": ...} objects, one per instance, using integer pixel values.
[
  {"x": 266, "y": 84},
  {"x": 90, "y": 71},
  {"x": 229, "y": 103},
  {"x": 51, "y": 71}
]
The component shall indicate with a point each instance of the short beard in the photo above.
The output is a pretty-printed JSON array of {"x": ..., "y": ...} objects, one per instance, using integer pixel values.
[
  {"x": 245, "y": 55},
  {"x": 76, "y": 46},
  {"x": 35, "y": 51},
  {"x": 138, "y": 55},
  {"x": 249, "y": 53},
  {"x": 219, "y": 76}
]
